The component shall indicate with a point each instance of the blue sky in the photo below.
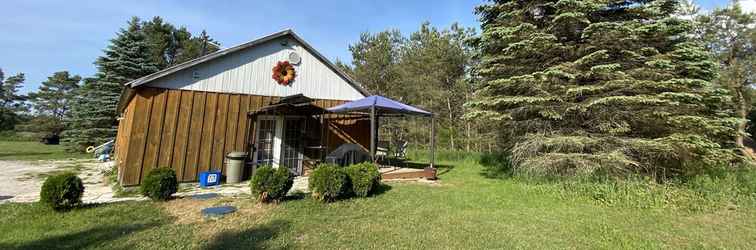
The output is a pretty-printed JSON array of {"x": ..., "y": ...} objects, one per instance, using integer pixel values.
[{"x": 39, "y": 37}]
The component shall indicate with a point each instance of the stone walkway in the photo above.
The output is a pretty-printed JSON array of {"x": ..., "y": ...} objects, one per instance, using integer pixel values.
[
  {"x": 21, "y": 181},
  {"x": 239, "y": 189}
]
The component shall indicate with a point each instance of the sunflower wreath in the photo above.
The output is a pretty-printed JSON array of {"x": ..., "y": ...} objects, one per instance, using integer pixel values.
[{"x": 284, "y": 73}]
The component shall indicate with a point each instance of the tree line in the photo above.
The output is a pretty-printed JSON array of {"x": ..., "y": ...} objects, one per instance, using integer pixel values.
[
  {"x": 656, "y": 88},
  {"x": 83, "y": 110},
  {"x": 431, "y": 69}
]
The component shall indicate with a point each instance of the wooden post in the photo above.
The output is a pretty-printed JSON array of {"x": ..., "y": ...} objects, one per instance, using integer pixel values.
[
  {"x": 372, "y": 133},
  {"x": 251, "y": 137},
  {"x": 323, "y": 147}
]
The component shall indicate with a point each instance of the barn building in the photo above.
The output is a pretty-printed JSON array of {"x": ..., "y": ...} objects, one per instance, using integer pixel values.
[{"x": 189, "y": 116}]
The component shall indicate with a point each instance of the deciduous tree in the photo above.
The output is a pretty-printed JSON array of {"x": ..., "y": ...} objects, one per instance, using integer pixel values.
[{"x": 730, "y": 33}]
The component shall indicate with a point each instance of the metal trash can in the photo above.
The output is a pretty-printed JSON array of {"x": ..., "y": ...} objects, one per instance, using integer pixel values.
[{"x": 234, "y": 164}]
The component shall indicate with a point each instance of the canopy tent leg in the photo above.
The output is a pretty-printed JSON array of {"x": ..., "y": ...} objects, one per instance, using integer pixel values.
[
  {"x": 433, "y": 142},
  {"x": 373, "y": 134}
]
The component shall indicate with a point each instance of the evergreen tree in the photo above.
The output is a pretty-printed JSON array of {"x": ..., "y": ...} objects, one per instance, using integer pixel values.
[
  {"x": 93, "y": 118},
  {"x": 138, "y": 50},
  {"x": 54, "y": 94},
  {"x": 344, "y": 67},
  {"x": 128, "y": 57},
  {"x": 159, "y": 35},
  {"x": 375, "y": 58},
  {"x": 601, "y": 88},
  {"x": 10, "y": 100},
  {"x": 170, "y": 46},
  {"x": 52, "y": 102},
  {"x": 432, "y": 69}
]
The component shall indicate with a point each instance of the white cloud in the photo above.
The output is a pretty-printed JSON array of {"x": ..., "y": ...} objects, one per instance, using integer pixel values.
[{"x": 748, "y": 5}]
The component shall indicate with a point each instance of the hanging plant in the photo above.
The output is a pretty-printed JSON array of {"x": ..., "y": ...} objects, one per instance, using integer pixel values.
[{"x": 284, "y": 73}]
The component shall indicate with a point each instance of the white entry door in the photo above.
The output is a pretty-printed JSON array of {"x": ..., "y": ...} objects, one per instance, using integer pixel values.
[
  {"x": 265, "y": 145},
  {"x": 280, "y": 142},
  {"x": 293, "y": 144}
]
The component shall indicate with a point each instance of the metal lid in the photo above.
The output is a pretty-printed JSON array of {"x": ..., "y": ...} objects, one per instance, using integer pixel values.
[{"x": 237, "y": 154}]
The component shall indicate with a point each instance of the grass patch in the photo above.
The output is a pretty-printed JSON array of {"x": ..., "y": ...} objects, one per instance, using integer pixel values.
[
  {"x": 469, "y": 210},
  {"x": 10, "y": 135},
  {"x": 29, "y": 150}
]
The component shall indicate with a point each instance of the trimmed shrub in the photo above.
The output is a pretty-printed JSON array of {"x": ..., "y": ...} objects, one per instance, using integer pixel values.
[
  {"x": 271, "y": 184},
  {"x": 160, "y": 184},
  {"x": 328, "y": 182},
  {"x": 363, "y": 178},
  {"x": 62, "y": 191}
]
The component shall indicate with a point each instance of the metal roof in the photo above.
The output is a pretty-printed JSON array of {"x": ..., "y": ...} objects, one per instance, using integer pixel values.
[{"x": 231, "y": 50}]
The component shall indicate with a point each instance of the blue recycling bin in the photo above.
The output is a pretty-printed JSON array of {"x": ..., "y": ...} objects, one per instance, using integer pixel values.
[{"x": 209, "y": 178}]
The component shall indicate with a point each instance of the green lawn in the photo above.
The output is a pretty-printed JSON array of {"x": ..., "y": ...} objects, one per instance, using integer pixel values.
[
  {"x": 468, "y": 210},
  {"x": 29, "y": 150}
]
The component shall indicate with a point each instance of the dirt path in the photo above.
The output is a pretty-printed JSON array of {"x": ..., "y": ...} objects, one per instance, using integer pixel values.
[{"x": 20, "y": 181}]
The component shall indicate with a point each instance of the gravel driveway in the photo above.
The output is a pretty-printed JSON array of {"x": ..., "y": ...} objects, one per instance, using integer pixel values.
[{"x": 20, "y": 181}]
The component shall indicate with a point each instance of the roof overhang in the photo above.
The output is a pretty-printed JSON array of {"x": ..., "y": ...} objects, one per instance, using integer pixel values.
[{"x": 291, "y": 105}]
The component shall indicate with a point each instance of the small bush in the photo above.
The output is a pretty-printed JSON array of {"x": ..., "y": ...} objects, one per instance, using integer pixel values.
[
  {"x": 271, "y": 184},
  {"x": 363, "y": 178},
  {"x": 62, "y": 191},
  {"x": 160, "y": 184},
  {"x": 328, "y": 182}
]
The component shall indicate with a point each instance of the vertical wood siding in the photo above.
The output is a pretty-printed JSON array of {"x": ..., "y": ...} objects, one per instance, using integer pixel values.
[
  {"x": 123, "y": 138},
  {"x": 192, "y": 131}
]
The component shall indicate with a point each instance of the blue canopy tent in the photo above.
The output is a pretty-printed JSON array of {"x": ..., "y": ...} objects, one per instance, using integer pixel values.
[{"x": 379, "y": 106}]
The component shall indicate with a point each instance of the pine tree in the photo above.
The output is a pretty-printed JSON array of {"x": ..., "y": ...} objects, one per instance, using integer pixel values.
[
  {"x": 601, "y": 88},
  {"x": 53, "y": 95},
  {"x": 93, "y": 118},
  {"x": 432, "y": 69},
  {"x": 128, "y": 57},
  {"x": 170, "y": 46},
  {"x": 375, "y": 58},
  {"x": 10, "y": 100},
  {"x": 138, "y": 50},
  {"x": 51, "y": 102}
]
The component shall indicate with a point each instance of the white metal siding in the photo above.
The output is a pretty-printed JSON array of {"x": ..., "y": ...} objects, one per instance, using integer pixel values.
[{"x": 250, "y": 72}]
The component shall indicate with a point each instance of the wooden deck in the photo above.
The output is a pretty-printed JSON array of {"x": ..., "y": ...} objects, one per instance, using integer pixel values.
[{"x": 394, "y": 173}]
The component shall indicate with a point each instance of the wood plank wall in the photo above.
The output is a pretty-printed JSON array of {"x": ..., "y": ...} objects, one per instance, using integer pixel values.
[{"x": 192, "y": 131}]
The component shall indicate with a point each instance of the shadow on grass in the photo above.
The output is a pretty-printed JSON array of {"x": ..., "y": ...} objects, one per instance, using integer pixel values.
[
  {"x": 294, "y": 196},
  {"x": 496, "y": 166},
  {"x": 380, "y": 189},
  {"x": 253, "y": 238},
  {"x": 91, "y": 238}
]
